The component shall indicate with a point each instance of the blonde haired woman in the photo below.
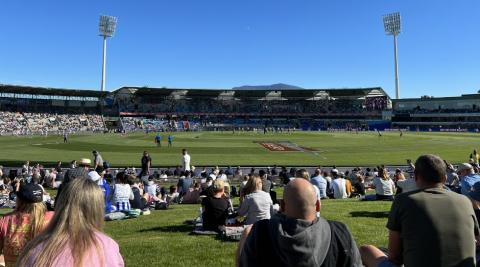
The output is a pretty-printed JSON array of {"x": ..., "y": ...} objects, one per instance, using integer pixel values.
[
  {"x": 74, "y": 237},
  {"x": 384, "y": 186},
  {"x": 257, "y": 204},
  {"x": 27, "y": 221}
]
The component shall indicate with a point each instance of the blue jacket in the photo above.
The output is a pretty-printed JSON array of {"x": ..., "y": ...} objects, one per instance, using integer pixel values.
[
  {"x": 468, "y": 181},
  {"x": 106, "y": 196}
]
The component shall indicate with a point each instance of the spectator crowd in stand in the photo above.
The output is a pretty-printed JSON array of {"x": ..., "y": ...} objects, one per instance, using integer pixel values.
[{"x": 16, "y": 123}]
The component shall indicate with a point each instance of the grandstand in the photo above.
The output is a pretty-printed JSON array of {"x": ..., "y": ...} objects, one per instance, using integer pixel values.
[
  {"x": 461, "y": 113},
  {"x": 38, "y": 110},
  {"x": 307, "y": 109}
]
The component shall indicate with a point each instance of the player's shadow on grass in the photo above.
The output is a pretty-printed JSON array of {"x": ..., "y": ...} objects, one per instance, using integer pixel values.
[
  {"x": 169, "y": 229},
  {"x": 370, "y": 214}
]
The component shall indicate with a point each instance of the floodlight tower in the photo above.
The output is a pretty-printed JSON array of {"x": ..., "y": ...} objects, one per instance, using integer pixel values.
[
  {"x": 392, "y": 27},
  {"x": 107, "y": 29}
]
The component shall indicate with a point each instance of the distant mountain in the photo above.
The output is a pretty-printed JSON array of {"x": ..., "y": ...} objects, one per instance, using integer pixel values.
[{"x": 278, "y": 86}]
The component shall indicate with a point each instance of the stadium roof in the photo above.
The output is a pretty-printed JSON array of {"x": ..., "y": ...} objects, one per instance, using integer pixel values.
[
  {"x": 258, "y": 94},
  {"x": 447, "y": 98},
  {"x": 34, "y": 90}
]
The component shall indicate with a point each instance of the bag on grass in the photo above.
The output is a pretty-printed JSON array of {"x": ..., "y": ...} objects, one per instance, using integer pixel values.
[{"x": 161, "y": 206}]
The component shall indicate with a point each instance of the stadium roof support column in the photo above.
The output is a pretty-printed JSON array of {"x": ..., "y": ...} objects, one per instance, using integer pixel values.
[
  {"x": 107, "y": 28},
  {"x": 392, "y": 26}
]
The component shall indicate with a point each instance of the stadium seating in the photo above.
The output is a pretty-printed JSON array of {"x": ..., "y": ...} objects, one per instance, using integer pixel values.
[{"x": 17, "y": 123}]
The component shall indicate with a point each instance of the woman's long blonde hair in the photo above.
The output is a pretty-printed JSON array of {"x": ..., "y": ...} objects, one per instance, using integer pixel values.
[
  {"x": 79, "y": 214},
  {"x": 36, "y": 213},
  {"x": 253, "y": 184},
  {"x": 383, "y": 173}
]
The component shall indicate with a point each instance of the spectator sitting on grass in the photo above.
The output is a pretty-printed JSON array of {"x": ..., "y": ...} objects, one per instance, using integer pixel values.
[
  {"x": 297, "y": 237},
  {"x": 208, "y": 186},
  {"x": 187, "y": 183},
  {"x": 193, "y": 195},
  {"x": 320, "y": 182},
  {"x": 74, "y": 237},
  {"x": 453, "y": 182},
  {"x": 430, "y": 226},
  {"x": 122, "y": 192},
  {"x": 266, "y": 184},
  {"x": 359, "y": 186},
  {"x": 339, "y": 185},
  {"x": 468, "y": 177},
  {"x": 105, "y": 186},
  {"x": 138, "y": 201},
  {"x": 80, "y": 171},
  {"x": 383, "y": 185},
  {"x": 248, "y": 188},
  {"x": 406, "y": 185},
  {"x": 215, "y": 207},
  {"x": 151, "y": 188},
  {"x": 222, "y": 175},
  {"x": 173, "y": 195},
  {"x": 256, "y": 205},
  {"x": 243, "y": 183},
  {"x": 27, "y": 221}
]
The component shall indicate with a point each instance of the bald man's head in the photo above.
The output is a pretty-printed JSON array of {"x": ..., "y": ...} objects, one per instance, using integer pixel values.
[{"x": 300, "y": 200}]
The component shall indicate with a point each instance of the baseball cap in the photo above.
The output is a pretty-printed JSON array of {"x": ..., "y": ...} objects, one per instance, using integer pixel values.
[
  {"x": 464, "y": 166},
  {"x": 475, "y": 193},
  {"x": 31, "y": 193}
]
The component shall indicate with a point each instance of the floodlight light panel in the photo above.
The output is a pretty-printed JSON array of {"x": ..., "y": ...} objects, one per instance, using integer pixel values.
[
  {"x": 392, "y": 23},
  {"x": 107, "y": 25}
]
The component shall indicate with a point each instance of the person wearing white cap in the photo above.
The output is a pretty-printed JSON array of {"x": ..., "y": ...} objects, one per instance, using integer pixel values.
[{"x": 468, "y": 177}]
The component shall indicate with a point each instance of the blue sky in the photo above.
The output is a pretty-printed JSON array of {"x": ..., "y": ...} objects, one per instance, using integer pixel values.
[{"x": 227, "y": 43}]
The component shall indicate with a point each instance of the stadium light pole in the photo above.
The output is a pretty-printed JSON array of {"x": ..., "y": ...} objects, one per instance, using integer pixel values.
[
  {"x": 107, "y": 28},
  {"x": 392, "y": 26}
]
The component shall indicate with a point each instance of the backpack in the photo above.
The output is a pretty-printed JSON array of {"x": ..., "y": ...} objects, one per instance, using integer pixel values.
[{"x": 340, "y": 252}]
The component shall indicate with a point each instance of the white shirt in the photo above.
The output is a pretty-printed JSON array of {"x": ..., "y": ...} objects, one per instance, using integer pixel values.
[
  {"x": 186, "y": 162},
  {"x": 384, "y": 187},
  {"x": 339, "y": 189}
]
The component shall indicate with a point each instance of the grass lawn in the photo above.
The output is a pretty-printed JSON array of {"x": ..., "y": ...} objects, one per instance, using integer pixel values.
[
  {"x": 216, "y": 148},
  {"x": 163, "y": 238}
]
